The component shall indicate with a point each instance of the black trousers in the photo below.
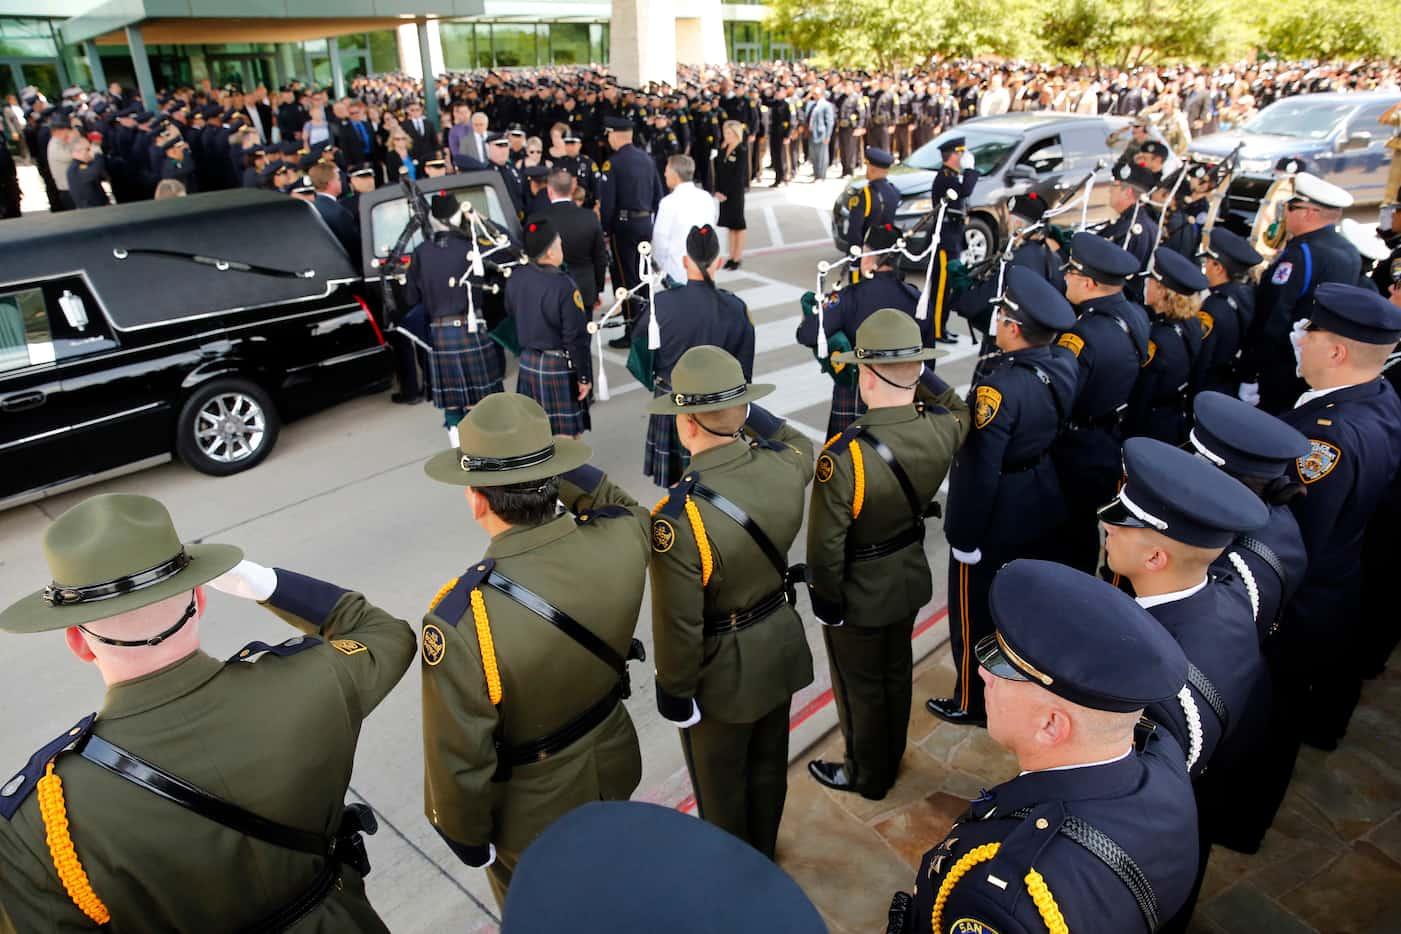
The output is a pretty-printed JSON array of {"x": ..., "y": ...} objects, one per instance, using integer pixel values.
[
  {"x": 871, "y": 671},
  {"x": 739, "y": 772},
  {"x": 778, "y": 155},
  {"x": 969, "y": 621},
  {"x": 410, "y": 359},
  {"x": 627, "y": 236},
  {"x": 849, "y": 147}
]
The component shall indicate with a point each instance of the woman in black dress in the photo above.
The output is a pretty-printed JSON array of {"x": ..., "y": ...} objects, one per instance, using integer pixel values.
[{"x": 731, "y": 181}]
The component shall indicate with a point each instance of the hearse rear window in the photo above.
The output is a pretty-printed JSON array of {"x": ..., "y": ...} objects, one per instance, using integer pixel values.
[
  {"x": 25, "y": 339},
  {"x": 387, "y": 219}
]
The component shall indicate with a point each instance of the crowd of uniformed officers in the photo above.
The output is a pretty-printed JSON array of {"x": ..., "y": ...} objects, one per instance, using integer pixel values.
[{"x": 1168, "y": 522}]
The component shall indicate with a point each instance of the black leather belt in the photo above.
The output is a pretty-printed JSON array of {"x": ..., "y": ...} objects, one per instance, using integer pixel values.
[
  {"x": 743, "y": 620},
  {"x": 1022, "y": 466},
  {"x": 633, "y": 215},
  {"x": 541, "y": 749},
  {"x": 1208, "y": 691},
  {"x": 1096, "y": 423},
  {"x": 911, "y": 536},
  {"x": 549, "y": 353},
  {"x": 298, "y": 908}
]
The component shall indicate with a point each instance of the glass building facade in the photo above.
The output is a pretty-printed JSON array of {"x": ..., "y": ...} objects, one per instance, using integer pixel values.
[{"x": 485, "y": 44}]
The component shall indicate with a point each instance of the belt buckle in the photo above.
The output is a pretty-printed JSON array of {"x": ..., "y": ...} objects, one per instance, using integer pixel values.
[{"x": 541, "y": 756}]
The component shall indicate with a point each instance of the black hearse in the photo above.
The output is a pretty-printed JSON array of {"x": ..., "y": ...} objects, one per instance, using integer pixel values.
[{"x": 192, "y": 327}]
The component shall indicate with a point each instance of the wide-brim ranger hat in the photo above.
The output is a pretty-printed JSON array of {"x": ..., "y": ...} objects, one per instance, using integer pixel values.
[
  {"x": 506, "y": 439},
  {"x": 111, "y": 554},
  {"x": 888, "y": 336},
  {"x": 707, "y": 379}
]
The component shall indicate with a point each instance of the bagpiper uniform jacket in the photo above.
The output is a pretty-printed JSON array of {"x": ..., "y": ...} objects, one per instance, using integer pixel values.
[{"x": 273, "y": 731}]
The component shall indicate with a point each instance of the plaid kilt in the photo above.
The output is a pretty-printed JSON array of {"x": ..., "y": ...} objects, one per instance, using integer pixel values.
[
  {"x": 466, "y": 367},
  {"x": 847, "y": 407},
  {"x": 663, "y": 458},
  {"x": 549, "y": 380}
]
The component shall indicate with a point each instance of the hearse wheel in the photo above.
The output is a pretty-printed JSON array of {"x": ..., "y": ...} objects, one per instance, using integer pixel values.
[{"x": 227, "y": 425}]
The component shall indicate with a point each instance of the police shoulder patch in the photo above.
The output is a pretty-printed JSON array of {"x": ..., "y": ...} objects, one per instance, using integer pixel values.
[
  {"x": 348, "y": 646},
  {"x": 1072, "y": 342},
  {"x": 663, "y": 535},
  {"x": 1152, "y": 352},
  {"x": 971, "y": 926},
  {"x": 853, "y": 201},
  {"x": 1319, "y": 462},
  {"x": 578, "y": 300},
  {"x": 435, "y": 645},
  {"x": 1208, "y": 323},
  {"x": 607, "y": 164},
  {"x": 986, "y": 402},
  {"x": 825, "y": 468},
  {"x": 1281, "y": 273}
]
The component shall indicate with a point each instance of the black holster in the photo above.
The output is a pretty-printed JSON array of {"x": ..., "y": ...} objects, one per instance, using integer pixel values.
[{"x": 356, "y": 821}]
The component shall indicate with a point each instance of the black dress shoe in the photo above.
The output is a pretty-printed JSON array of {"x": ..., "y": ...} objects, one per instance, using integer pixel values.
[
  {"x": 731, "y": 264},
  {"x": 945, "y": 708},
  {"x": 833, "y": 775},
  {"x": 620, "y": 343},
  {"x": 948, "y": 339},
  {"x": 400, "y": 398}
]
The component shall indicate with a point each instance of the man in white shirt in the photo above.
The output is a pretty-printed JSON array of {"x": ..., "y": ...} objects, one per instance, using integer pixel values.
[
  {"x": 687, "y": 206},
  {"x": 995, "y": 99}
]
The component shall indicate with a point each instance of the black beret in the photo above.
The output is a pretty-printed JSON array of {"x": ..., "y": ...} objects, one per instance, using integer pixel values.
[
  {"x": 539, "y": 234},
  {"x": 703, "y": 245}
]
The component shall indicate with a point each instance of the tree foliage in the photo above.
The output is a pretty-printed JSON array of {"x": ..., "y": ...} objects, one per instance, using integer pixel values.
[{"x": 909, "y": 33}]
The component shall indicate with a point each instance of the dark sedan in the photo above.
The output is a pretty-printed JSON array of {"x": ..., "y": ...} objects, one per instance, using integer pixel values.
[
  {"x": 191, "y": 327},
  {"x": 1014, "y": 153}
]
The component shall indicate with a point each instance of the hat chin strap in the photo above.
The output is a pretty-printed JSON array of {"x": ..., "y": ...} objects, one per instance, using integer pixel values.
[
  {"x": 157, "y": 639},
  {"x": 875, "y": 370}
]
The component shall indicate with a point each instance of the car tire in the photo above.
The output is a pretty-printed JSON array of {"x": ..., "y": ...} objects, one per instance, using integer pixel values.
[
  {"x": 979, "y": 241},
  {"x": 226, "y": 426}
]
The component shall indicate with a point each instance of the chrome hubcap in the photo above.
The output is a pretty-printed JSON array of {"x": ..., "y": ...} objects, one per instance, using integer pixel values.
[
  {"x": 975, "y": 246},
  {"x": 230, "y": 427}
]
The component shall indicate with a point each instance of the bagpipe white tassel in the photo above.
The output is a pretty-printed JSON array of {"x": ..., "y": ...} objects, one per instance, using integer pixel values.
[{"x": 820, "y": 294}]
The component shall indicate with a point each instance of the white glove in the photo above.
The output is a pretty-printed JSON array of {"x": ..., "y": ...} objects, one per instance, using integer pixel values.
[
  {"x": 967, "y": 557},
  {"x": 1296, "y": 338},
  {"x": 1249, "y": 393},
  {"x": 247, "y": 580},
  {"x": 837, "y": 625},
  {"x": 693, "y": 719},
  {"x": 491, "y": 858},
  {"x": 966, "y": 161}
]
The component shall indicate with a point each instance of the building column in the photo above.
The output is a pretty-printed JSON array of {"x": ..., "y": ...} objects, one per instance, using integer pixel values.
[
  {"x": 333, "y": 49},
  {"x": 144, "y": 82},
  {"x": 642, "y": 41},
  {"x": 430, "y": 93},
  {"x": 99, "y": 77}
]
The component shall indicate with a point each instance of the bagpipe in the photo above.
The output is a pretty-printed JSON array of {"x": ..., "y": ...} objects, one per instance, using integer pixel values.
[
  {"x": 639, "y": 358},
  {"x": 489, "y": 276}
]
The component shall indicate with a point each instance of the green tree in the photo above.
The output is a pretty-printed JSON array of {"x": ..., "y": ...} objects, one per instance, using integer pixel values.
[{"x": 1294, "y": 29}]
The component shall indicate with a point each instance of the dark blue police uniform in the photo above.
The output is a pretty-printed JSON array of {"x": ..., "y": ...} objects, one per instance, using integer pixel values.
[
  {"x": 1158, "y": 403},
  {"x": 1227, "y": 311},
  {"x": 1036, "y": 852},
  {"x": 1110, "y": 343},
  {"x": 687, "y": 316},
  {"x": 629, "y": 191},
  {"x": 1284, "y": 296},
  {"x": 873, "y": 205},
  {"x": 1005, "y": 501},
  {"x": 551, "y": 327},
  {"x": 949, "y": 193}
]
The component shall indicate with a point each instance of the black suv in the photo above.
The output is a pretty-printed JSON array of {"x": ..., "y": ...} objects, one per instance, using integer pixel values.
[{"x": 1014, "y": 152}]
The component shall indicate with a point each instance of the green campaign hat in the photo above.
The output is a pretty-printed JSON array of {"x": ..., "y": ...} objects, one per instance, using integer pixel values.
[
  {"x": 111, "y": 554},
  {"x": 707, "y": 379},
  {"x": 888, "y": 336},
  {"x": 506, "y": 439}
]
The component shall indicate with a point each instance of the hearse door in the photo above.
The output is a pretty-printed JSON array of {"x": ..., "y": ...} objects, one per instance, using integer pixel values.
[{"x": 35, "y": 447}]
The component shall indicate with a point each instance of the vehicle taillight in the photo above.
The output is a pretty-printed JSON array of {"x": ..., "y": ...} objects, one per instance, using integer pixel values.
[{"x": 379, "y": 336}]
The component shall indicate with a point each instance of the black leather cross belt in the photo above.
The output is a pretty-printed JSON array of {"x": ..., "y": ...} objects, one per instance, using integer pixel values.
[{"x": 912, "y": 536}]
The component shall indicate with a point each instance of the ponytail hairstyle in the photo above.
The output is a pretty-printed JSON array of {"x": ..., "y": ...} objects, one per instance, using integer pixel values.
[{"x": 703, "y": 247}]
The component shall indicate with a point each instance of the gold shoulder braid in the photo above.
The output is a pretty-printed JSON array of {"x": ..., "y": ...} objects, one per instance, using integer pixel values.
[
  {"x": 702, "y": 542},
  {"x": 493, "y": 674},
  {"x": 70, "y": 872},
  {"x": 858, "y": 464},
  {"x": 443, "y": 592},
  {"x": 1035, "y": 886}
]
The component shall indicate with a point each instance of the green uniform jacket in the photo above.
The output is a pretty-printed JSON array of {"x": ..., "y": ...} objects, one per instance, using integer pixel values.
[
  {"x": 734, "y": 677},
  {"x": 272, "y": 730},
  {"x": 593, "y": 569},
  {"x": 891, "y": 589}
]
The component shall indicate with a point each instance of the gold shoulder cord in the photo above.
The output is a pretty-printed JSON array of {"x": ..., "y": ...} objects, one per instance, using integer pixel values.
[
  {"x": 698, "y": 529},
  {"x": 1036, "y": 887},
  {"x": 858, "y": 465},
  {"x": 493, "y": 674},
  {"x": 54, "y": 813}
]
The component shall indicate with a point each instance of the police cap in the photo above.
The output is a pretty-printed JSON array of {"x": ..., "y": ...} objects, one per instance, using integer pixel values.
[
  {"x": 1311, "y": 188},
  {"x": 878, "y": 157},
  {"x": 560, "y": 875},
  {"x": 1177, "y": 272},
  {"x": 618, "y": 124},
  {"x": 1181, "y": 496},
  {"x": 536, "y": 171},
  {"x": 1101, "y": 260},
  {"x": 1029, "y": 297},
  {"x": 1354, "y": 312},
  {"x": 1079, "y": 638},
  {"x": 1242, "y": 440},
  {"x": 1231, "y": 250},
  {"x": 952, "y": 145}
]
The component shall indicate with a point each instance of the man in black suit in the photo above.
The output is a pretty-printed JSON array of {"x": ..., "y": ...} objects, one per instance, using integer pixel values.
[
  {"x": 356, "y": 138},
  {"x": 255, "y": 107},
  {"x": 423, "y": 134},
  {"x": 580, "y": 234},
  {"x": 326, "y": 178}
]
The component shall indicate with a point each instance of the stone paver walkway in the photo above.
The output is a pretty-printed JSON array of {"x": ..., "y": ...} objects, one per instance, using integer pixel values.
[{"x": 1331, "y": 863}]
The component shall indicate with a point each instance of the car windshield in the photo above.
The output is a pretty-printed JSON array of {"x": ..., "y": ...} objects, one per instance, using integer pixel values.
[
  {"x": 1299, "y": 118},
  {"x": 988, "y": 149}
]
